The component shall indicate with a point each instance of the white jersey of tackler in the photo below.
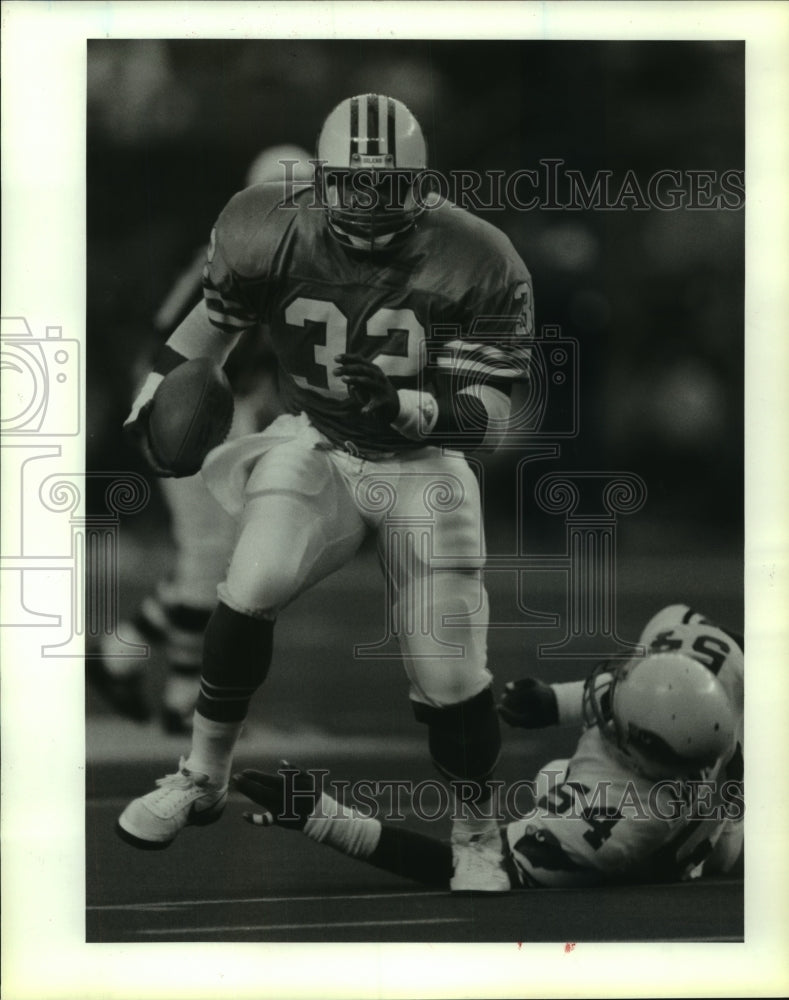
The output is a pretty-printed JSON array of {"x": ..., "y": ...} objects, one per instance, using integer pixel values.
[{"x": 596, "y": 819}]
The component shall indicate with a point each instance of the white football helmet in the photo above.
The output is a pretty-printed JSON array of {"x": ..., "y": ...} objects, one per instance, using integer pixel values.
[
  {"x": 370, "y": 155},
  {"x": 666, "y": 715}
]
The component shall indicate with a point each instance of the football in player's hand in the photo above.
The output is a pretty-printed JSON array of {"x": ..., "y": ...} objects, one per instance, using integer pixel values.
[{"x": 191, "y": 413}]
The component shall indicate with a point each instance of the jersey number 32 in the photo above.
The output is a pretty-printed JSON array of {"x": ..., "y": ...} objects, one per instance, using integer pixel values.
[{"x": 399, "y": 358}]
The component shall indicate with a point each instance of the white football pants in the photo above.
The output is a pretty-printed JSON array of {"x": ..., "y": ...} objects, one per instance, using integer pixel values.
[{"x": 307, "y": 508}]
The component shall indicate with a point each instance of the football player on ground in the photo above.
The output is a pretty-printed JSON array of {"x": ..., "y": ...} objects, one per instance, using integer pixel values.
[
  {"x": 652, "y": 793},
  {"x": 399, "y": 323},
  {"x": 176, "y": 613}
]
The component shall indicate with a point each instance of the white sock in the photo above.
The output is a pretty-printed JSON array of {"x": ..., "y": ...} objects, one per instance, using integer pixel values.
[
  {"x": 213, "y": 744},
  {"x": 342, "y": 828}
]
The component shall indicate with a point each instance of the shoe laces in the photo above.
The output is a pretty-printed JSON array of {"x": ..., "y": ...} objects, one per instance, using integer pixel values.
[
  {"x": 482, "y": 847},
  {"x": 183, "y": 779},
  {"x": 489, "y": 837}
]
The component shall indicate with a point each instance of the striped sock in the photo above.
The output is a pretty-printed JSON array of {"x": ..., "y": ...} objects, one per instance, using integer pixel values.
[
  {"x": 236, "y": 657},
  {"x": 223, "y": 702}
]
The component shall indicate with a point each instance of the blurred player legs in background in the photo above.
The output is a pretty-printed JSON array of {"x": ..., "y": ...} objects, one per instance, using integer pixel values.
[{"x": 174, "y": 616}]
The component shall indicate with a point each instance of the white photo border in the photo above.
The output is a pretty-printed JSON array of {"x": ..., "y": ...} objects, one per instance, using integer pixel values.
[{"x": 43, "y": 279}]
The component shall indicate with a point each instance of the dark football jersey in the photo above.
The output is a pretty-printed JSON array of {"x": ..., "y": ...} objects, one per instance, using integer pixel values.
[
  {"x": 251, "y": 357},
  {"x": 452, "y": 300}
]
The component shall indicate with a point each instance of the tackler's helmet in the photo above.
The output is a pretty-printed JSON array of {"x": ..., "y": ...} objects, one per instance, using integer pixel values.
[
  {"x": 370, "y": 156},
  {"x": 666, "y": 715}
]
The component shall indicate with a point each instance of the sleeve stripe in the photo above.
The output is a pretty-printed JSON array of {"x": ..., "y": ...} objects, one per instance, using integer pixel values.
[
  {"x": 197, "y": 336},
  {"x": 472, "y": 346},
  {"x": 227, "y": 310},
  {"x": 498, "y": 349},
  {"x": 227, "y": 324},
  {"x": 215, "y": 301},
  {"x": 228, "y": 315},
  {"x": 468, "y": 357},
  {"x": 478, "y": 368}
]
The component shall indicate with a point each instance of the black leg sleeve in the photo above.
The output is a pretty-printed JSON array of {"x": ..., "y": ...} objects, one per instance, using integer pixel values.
[
  {"x": 236, "y": 658},
  {"x": 413, "y": 855},
  {"x": 464, "y": 739}
]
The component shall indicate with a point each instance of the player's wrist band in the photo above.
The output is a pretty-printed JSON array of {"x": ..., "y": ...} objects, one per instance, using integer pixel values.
[
  {"x": 569, "y": 701},
  {"x": 418, "y": 414}
]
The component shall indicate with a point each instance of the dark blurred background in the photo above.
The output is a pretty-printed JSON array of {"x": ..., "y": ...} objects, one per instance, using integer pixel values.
[{"x": 654, "y": 298}]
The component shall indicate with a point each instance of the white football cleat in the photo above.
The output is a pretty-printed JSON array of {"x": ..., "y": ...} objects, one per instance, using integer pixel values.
[
  {"x": 478, "y": 862},
  {"x": 185, "y": 798}
]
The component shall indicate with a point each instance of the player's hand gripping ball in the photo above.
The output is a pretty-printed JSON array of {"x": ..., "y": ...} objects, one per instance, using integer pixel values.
[{"x": 191, "y": 413}]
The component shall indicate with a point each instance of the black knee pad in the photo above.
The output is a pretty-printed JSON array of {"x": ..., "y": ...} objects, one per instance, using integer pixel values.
[
  {"x": 236, "y": 648},
  {"x": 464, "y": 739}
]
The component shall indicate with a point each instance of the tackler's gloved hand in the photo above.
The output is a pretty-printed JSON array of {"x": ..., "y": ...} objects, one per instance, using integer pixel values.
[
  {"x": 529, "y": 703},
  {"x": 288, "y": 797}
]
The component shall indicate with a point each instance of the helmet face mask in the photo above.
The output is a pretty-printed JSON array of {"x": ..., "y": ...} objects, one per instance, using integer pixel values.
[
  {"x": 666, "y": 715},
  {"x": 596, "y": 706},
  {"x": 369, "y": 162},
  {"x": 370, "y": 203}
]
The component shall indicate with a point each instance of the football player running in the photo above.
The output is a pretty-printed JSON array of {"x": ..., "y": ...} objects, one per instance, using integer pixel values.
[
  {"x": 652, "y": 792},
  {"x": 399, "y": 323}
]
